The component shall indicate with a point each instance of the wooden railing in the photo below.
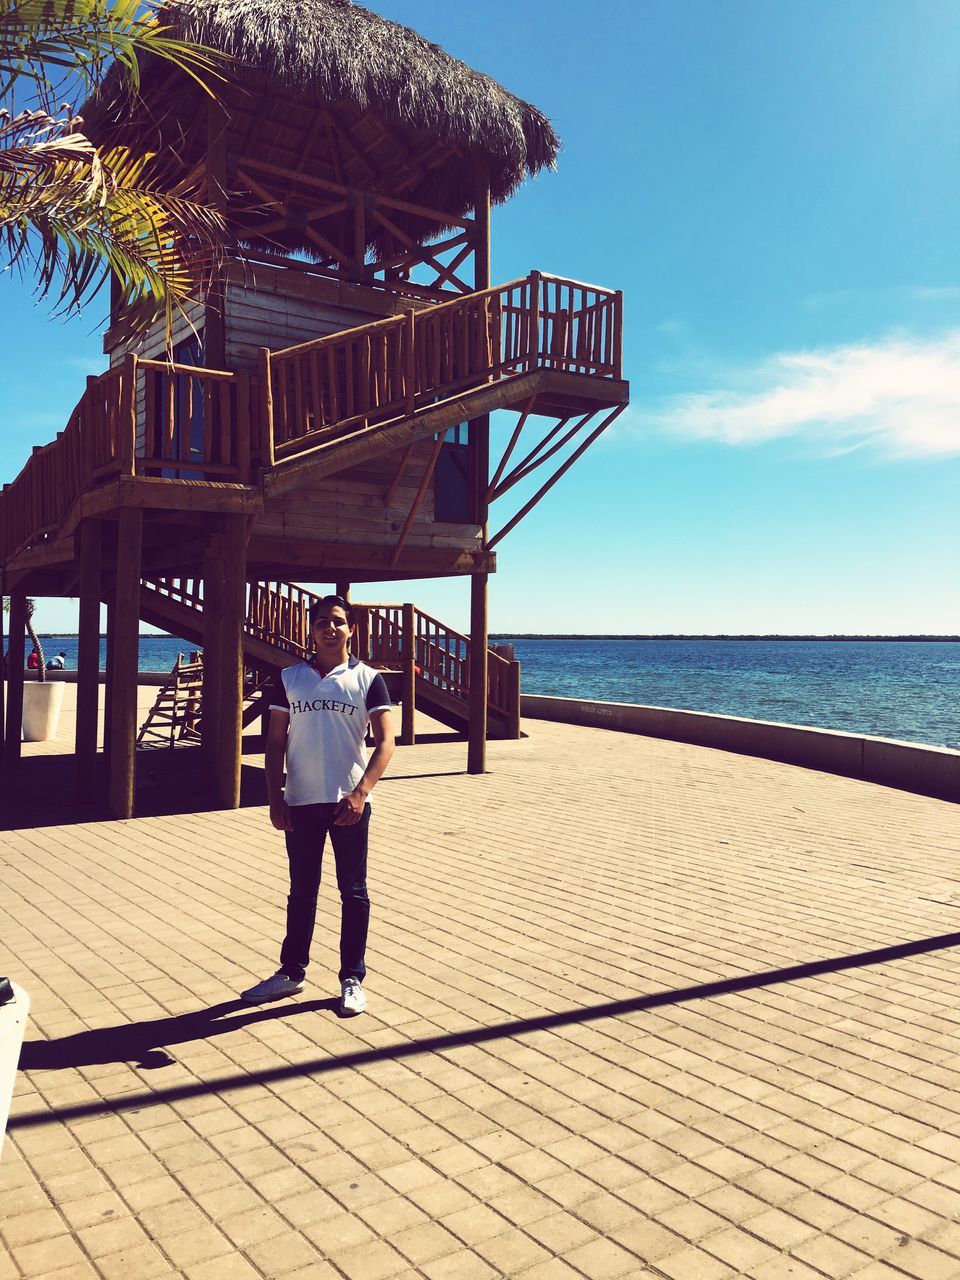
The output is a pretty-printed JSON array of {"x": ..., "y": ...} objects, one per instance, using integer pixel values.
[
  {"x": 364, "y": 377},
  {"x": 194, "y": 423},
  {"x": 92, "y": 446},
  {"x": 278, "y": 613},
  {"x": 145, "y": 417},
  {"x": 151, "y": 417}
]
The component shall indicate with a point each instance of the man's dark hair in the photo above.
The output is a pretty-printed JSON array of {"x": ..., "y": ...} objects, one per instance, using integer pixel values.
[{"x": 326, "y": 601}]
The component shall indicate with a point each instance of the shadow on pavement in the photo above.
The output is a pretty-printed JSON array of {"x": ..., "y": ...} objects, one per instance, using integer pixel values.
[
  {"x": 144, "y": 1042},
  {"x": 41, "y": 791}
]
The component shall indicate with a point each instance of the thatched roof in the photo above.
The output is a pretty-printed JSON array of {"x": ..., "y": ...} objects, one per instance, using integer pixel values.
[{"x": 438, "y": 119}]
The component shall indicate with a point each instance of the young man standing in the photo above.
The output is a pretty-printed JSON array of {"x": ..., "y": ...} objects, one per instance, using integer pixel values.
[{"x": 319, "y": 712}]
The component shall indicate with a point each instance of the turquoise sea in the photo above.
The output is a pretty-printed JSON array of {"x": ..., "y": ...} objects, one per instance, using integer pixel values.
[{"x": 894, "y": 689}]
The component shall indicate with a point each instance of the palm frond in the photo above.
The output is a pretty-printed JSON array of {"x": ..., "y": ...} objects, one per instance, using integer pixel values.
[
  {"x": 73, "y": 215},
  {"x": 42, "y": 41}
]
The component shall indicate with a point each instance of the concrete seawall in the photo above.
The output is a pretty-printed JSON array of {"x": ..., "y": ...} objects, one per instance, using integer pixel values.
[{"x": 932, "y": 771}]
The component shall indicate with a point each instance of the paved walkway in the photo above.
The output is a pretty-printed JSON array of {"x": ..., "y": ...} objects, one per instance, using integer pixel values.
[{"x": 636, "y": 1009}]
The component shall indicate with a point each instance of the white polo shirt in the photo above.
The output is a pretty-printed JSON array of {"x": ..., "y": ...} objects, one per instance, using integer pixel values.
[{"x": 329, "y": 714}]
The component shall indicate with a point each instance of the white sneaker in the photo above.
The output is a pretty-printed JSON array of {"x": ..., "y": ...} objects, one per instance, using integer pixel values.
[
  {"x": 273, "y": 988},
  {"x": 352, "y": 999}
]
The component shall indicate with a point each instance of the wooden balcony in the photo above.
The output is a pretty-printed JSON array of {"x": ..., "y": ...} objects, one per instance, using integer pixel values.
[{"x": 159, "y": 435}]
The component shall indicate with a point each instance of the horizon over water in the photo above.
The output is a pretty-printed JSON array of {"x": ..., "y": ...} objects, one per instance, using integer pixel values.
[{"x": 907, "y": 689}]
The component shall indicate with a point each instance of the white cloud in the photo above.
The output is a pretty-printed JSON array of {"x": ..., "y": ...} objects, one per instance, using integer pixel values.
[{"x": 901, "y": 396}]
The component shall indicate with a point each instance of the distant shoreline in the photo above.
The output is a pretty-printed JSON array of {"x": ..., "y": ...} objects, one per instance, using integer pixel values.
[
  {"x": 612, "y": 635},
  {"x": 533, "y": 635}
]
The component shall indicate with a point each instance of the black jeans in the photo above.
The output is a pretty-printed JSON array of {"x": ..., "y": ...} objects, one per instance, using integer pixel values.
[{"x": 305, "y": 842}]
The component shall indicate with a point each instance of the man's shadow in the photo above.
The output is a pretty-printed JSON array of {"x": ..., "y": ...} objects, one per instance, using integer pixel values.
[{"x": 144, "y": 1044}]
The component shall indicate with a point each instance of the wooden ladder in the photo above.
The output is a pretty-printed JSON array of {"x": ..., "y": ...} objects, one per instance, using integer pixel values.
[{"x": 175, "y": 715}]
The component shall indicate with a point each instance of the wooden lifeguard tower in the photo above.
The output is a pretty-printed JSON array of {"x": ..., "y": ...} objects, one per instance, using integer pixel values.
[{"x": 324, "y": 413}]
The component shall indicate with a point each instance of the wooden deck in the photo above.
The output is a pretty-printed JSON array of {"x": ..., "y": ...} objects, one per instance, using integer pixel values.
[
  {"x": 688, "y": 1015},
  {"x": 541, "y": 346}
]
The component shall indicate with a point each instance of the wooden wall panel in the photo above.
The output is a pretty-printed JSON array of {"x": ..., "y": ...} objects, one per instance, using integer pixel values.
[
  {"x": 153, "y": 347},
  {"x": 349, "y": 508},
  {"x": 272, "y": 309}
]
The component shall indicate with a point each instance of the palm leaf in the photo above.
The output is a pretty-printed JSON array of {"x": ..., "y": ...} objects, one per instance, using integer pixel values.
[
  {"x": 73, "y": 216},
  {"x": 43, "y": 38}
]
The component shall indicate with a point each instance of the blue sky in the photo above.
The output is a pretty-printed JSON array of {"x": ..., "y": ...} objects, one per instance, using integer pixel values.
[{"x": 776, "y": 188}]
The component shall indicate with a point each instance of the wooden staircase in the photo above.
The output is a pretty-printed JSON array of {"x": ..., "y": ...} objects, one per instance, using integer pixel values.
[{"x": 426, "y": 663}]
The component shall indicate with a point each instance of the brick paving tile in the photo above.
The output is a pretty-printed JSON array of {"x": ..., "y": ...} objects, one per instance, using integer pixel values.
[
  {"x": 138, "y": 1260},
  {"x": 41, "y": 1258},
  {"x": 920, "y": 1260},
  {"x": 425, "y": 1242},
  {"x": 234, "y": 1267},
  {"x": 780, "y": 1132},
  {"x": 568, "y": 1189},
  {"x": 511, "y": 1252},
  {"x": 194, "y": 1245},
  {"x": 553, "y": 1269},
  {"x": 832, "y": 1257},
  {"x": 459, "y": 1266},
  {"x": 560, "y": 1231},
  {"x": 282, "y": 1254},
  {"x": 111, "y": 1236},
  {"x": 691, "y": 1262},
  {"x": 373, "y": 1261},
  {"x": 783, "y": 1268},
  {"x": 28, "y": 1228}
]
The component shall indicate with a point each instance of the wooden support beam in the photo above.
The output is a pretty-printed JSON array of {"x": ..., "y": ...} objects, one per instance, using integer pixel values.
[
  {"x": 266, "y": 408},
  {"x": 401, "y": 467},
  {"x": 528, "y": 463},
  {"x": 408, "y": 696},
  {"x": 123, "y": 713},
  {"x": 415, "y": 505},
  {"x": 213, "y": 604},
  {"x": 510, "y": 447},
  {"x": 3, "y": 650},
  {"x": 233, "y": 609},
  {"x": 16, "y": 657},
  {"x": 214, "y": 323},
  {"x": 478, "y": 438},
  {"x": 111, "y": 603},
  {"x": 521, "y": 472},
  {"x": 88, "y": 656},
  {"x": 527, "y": 506},
  {"x": 477, "y": 741},
  {"x": 359, "y": 237},
  {"x": 513, "y": 683}
]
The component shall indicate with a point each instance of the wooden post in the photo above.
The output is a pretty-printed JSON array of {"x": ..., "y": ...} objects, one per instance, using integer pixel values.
[
  {"x": 108, "y": 672},
  {"x": 242, "y": 459},
  {"x": 361, "y": 641},
  {"x": 478, "y": 440},
  {"x": 410, "y": 361},
  {"x": 127, "y": 442},
  {"x": 359, "y": 236},
  {"x": 16, "y": 656},
  {"x": 88, "y": 432},
  {"x": 213, "y": 595},
  {"x": 88, "y": 656},
  {"x": 266, "y": 409},
  {"x": 233, "y": 610},
  {"x": 343, "y": 590},
  {"x": 408, "y": 695},
  {"x": 214, "y": 326},
  {"x": 477, "y": 742},
  {"x": 513, "y": 700},
  {"x": 3, "y": 670},
  {"x": 123, "y": 711}
]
